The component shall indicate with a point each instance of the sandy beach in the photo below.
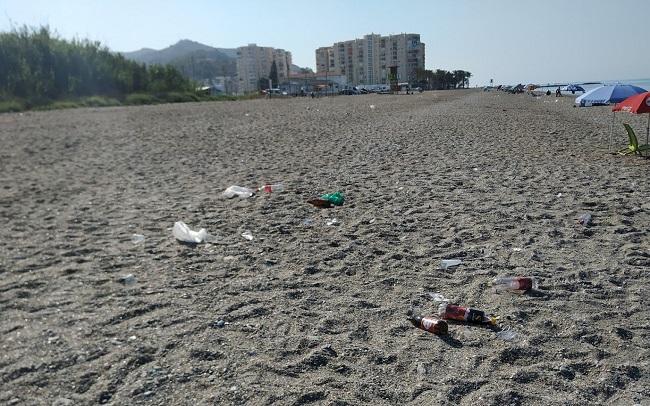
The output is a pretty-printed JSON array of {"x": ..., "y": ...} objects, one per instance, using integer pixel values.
[{"x": 311, "y": 313}]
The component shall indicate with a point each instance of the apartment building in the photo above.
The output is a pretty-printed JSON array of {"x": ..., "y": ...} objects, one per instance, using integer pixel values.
[
  {"x": 254, "y": 62},
  {"x": 368, "y": 60}
]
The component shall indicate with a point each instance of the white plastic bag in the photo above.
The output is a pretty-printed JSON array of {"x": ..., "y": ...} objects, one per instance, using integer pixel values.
[
  {"x": 183, "y": 233},
  {"x": 241, "y": 192}
]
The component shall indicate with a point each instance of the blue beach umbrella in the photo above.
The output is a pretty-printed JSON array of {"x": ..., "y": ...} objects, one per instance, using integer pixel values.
[{"x": 607, "y": 94}]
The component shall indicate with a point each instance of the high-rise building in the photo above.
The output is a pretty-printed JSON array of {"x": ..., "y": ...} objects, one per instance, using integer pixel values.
[
  {"x": 254, "y": 62},
  {"x": 368, "y": 60}
]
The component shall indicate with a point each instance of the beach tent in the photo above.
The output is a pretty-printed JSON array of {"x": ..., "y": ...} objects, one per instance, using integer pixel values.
[
  {"x": 607, "y": 94},
  {"x": 573, "y": 88},
  {"x": 638, "y": 104}
]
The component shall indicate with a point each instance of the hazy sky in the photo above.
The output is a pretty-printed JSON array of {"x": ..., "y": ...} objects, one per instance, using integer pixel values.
[{"x": 508, "y": 40}]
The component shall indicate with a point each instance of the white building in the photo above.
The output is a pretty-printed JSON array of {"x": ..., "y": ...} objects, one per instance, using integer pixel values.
[
  {"x": 368, "y": 60},
  {"x": 254, "y": 62}
]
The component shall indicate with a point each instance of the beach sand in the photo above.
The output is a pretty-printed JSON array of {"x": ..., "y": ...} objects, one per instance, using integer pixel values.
[{"x": 313, "y": 313}]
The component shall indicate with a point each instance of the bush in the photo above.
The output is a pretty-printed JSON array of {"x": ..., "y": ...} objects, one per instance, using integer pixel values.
[
  {"x": 11, "y": 106},
  {"x": 100, "y": 101},
  {"x": 59, "y": 104},
  {"x": 178, "y": 97},
  {"x": 140, "y": 98}
]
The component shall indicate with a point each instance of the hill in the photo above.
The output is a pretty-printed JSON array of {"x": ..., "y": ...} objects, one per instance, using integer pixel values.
[{"x": 195, "y": 60}]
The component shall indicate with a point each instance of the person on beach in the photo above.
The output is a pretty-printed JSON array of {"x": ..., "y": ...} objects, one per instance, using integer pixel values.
[{"x": 558, "y": 92}]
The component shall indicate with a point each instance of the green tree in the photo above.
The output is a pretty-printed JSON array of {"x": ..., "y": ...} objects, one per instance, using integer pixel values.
[{"x": 37, "y": 66}]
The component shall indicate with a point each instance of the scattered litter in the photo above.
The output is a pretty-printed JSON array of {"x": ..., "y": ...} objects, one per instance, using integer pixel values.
[
  {"x": 127, "y": 279},
  {"x": 239, "y": 191},
  {"x": 276, "y": 187},
  {"x": 332, "y": 222},
  {"x": 137, "y": 238},
  {"x": 183, "y": 233},
  {"x": 219, "y": 323},
  {"x": 372, "y": 220},
  {"x": 307, "y": 222},
  {"x": 328, "y": 200},
  {"x": 475, "y": 169},
  {"x": 132, "y": 338},
  {"x": 454, "y": 312},
  {"x": 421, "y": 369},
  {"x": 584, "y": 219},
  {"x": 318, "y": 202},
  {"x": 448, "y": 263},
  {"x": 247, "y": 235},
  {"x": 430, "y": 324},
  {"x": 516, "y": 284},
  {"x": 246, "y": 114},
  {"x": 438, "y": 297},
  {"x": 559, "y": 195},
  {"x": 336, "y": 199},
  {"x": 517, "y": 249},
  {"x": 372, "y": 107},
  {"x": 507, "y": 334}
]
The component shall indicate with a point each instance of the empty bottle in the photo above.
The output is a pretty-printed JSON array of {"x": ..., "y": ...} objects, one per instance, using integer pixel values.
[
  {"x": 460, "y": 313},
  {"x": 430, "y": 324},
  {"x": 516, "y": 284},
  {"x": 241, "y": 192},
  {"x": 271, "y": 188}
]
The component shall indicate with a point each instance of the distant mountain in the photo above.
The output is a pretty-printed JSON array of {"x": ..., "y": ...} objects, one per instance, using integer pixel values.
[{"x": 195, "y": 60}]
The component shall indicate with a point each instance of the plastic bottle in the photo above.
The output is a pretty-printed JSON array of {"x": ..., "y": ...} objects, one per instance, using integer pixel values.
[
  {"x": 460, "y": 313},
  {"x": 275, "y": 187},
  {"x": 430, "y": 324},
  {"x": 516, "y": 284},
  {"x": 242, "y": 192}
]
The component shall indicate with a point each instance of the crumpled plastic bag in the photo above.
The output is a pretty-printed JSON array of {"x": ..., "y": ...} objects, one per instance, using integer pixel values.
[
  {"x": 241, "y": 192},
  {"x": 183, "y": 233}
]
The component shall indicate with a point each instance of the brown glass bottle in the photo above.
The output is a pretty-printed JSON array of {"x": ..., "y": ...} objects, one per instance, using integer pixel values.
[{"x": 430, "y": 324}]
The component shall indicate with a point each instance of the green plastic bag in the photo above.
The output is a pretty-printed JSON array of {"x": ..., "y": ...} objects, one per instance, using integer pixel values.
[{"x": 337, "y": 199}]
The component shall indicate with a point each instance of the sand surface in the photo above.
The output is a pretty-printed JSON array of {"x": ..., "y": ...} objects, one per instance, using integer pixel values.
[{"x": 313, "y": 313}]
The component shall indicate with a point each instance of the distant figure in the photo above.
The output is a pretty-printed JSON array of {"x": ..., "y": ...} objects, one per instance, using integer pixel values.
[
  {"x": 548, "y": 92},
  {"x": 312, "y": 94},
  {"x": 558, "y": 92}
]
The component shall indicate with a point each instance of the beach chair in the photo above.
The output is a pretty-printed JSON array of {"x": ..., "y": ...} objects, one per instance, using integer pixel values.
[{"x": 634, "y": 147}]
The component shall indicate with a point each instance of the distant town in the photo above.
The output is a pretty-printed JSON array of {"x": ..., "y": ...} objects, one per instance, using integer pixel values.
[{"x": 358, "y": 63}]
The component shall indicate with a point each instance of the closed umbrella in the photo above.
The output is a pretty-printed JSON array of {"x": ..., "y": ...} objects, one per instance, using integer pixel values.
[{"x": 638, "y": 104}]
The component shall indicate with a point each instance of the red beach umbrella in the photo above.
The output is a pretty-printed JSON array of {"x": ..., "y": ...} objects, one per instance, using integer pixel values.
[{"x": 637, "y": 104}]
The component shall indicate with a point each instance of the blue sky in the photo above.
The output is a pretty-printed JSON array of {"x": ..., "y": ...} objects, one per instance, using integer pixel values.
[{"x": 508, "y": 40}]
